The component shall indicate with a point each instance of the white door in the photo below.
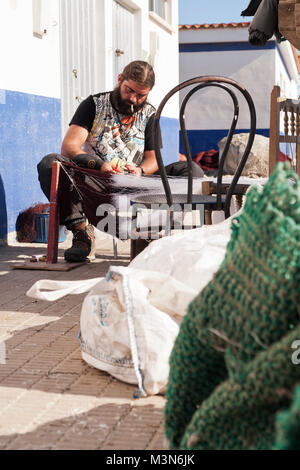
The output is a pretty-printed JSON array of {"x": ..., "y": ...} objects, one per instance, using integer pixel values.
[
  {"x": 79, "y": 57},
  {"x": 123, "y": 36}
]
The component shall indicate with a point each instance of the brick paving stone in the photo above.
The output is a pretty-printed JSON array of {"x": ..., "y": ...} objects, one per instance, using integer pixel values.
[
  {"x": 19, "y": 337},
  {"x": 37, "y": 337},
  {"x": 43, "y": 437},
  {"x": 114, "y": 390},
  {"x": 10, "y": 319},
  {"x": 3, "y": 332},
  {"x": 63, "y": 326},
  {"x": 36, "y": 320},
  {"x": 17, "y": 303},
  {"x": 72, "y": 364},
  {"x": 19, "y": 379},
  {"x": 10, "y": 367},
  {"x": 55, "y": 383},
  {"x": 74, "y": 443},
  {"x": 93, "y": 427},
  {"x": 15, "y": 421},
  {"x": 35, "y": 306},
  {"x": 159, "y": 441},
  {"x": 49, "y": 397},
  {"x": 10, "y": 295},
  {"x": 95, "y": 387},
  {"x": 4, "y": 441},
  {"x": 8, "y": 396},
  {"x": 23, "y": 444}
]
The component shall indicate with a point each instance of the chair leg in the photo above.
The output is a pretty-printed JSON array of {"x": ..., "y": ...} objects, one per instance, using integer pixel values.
[
  {"x": 207, "y": 217},
  {"x": 132, "y": 249},
  {"x": 274, "y": 129},
  {"x": 239, "y": 201},
  {"x": 137, "y": 246},
  {"x": 52, "y": 248},
  {"x": 115, "y": 246}
]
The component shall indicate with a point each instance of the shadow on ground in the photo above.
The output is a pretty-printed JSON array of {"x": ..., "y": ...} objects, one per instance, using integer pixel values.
[
  {"x": 49, "y": 397},
  {"x": 107, "y": 427},
  {"x": 42, "y": 347}
]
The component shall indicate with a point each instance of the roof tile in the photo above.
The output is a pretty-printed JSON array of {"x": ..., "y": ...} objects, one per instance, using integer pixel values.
[{"x": 243, "y": 24}]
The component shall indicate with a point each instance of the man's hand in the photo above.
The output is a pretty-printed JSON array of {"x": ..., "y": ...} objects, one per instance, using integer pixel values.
[
  {"x": 134, "y": 170},
  {"x": 107, "y": 168}
]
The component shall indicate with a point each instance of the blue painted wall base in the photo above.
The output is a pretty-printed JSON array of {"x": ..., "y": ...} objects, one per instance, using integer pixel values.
[
  {"x": 3, "y": 214},
  {"x": 201, "y": 140},
  {"x": 30, "y": 127}
]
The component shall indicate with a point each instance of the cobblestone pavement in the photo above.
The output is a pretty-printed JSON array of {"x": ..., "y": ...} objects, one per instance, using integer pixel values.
[{"x": 49, "y": 397}]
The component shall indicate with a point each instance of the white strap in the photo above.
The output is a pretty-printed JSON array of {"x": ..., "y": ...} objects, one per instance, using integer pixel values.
[
  {"x": 60, "y": 288},
  {"x": 132, "y": 337}
]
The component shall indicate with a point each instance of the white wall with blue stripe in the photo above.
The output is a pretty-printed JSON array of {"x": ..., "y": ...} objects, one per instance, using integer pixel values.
[
  {"x": 30, "y": 105},
  {"x": 31, "y": 96},
  {"x": 29, "y": 129},
  {"x": 228, "y": 53}
]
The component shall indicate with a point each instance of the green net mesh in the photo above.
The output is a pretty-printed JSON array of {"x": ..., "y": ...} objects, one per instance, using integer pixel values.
[
  {"x": 230, "y": 368},
  {"x": 288, "y": 426}
]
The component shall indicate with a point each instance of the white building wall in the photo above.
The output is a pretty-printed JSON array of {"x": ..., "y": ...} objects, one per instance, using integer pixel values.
[
  {"x": 212, "y": 35},
  {"x": 286, "y": 71},
  {"x": 257, "y": 70},
  {"x": 163, "y": 50},
  {"x": 154, "y": 41},
  {"x": 104, "y": 37},
  {"x": 212, "y": 108},
  {"x": 33, "y": 69},
  {"x": 30, "y": 113},
  {"x": 29, "y": 64}
]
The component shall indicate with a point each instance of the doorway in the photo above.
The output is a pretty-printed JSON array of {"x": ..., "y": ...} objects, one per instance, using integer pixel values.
[{"x": 123, "y": 36}]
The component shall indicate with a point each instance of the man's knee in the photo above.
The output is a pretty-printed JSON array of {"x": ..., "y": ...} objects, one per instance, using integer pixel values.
[
  {"x": 46, "y": 162},
  {"x": 180, "y": 169},
  {"x": 197, "y": 170},
  {"x": 44, "y": 169}
]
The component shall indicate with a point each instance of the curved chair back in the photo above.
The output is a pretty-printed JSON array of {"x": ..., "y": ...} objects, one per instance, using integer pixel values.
[{"x": 203, "y": 82}]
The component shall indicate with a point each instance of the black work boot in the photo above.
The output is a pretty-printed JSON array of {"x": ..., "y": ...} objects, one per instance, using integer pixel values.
[{"x": 83, "y": 246}]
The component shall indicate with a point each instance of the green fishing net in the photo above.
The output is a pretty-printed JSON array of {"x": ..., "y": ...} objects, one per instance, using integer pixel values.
[
  {"x": 288, "y": 426},
  {"x": 231, "y": 369}
]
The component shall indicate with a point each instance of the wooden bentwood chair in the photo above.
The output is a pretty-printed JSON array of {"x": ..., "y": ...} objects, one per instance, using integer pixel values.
[{"x": 215, "y": 196}]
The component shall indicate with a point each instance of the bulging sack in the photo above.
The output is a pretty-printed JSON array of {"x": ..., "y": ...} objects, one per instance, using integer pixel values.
[
  {"x": 129, "y": 321},
  {"x": 124, "y": 333}
]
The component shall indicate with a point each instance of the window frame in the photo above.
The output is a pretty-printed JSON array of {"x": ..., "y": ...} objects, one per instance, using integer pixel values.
[
  {"x": 166, "y": 21},
  {"x": 155, "y": 7}
]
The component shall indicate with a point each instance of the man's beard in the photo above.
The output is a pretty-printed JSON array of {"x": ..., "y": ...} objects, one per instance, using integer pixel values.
[{"x": 122, "y": 106}]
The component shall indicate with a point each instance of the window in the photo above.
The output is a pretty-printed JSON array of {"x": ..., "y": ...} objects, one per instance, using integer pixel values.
[
  {"x": 159, "y": 7},
  {"x": 161, "y": 12},
  {"x": 40, "y": 17}
]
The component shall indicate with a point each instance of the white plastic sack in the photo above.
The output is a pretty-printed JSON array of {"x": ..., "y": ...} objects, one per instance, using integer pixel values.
[{"x": 130, "y": 320}]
